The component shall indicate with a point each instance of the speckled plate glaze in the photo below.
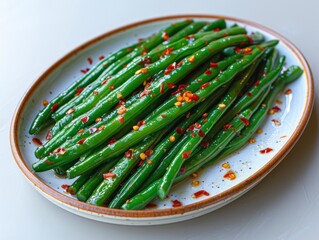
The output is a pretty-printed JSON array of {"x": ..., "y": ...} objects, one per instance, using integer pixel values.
[{"x": 248, "y": 164}]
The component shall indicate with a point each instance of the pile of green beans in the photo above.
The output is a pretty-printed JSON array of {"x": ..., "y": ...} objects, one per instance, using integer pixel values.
[{"x": 151, "y": 114}]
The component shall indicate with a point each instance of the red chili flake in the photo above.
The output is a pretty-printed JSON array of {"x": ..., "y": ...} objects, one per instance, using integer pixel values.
[
  {"x": 90, "y": 60},
  {"x": 112, "y": 141},
  {"x": 105, "y": 80},
  {"x": 78, "y": 91},
  {"x": 188, "y": 115},
  {"x": 144, "y": 51},
  {"x": 71, "y": 110},
  {"x": 216, "y": 30},
  {"x": 170, "y": 68},
  {"x": 62, "y": 151},
  {"x": 111, "y": 87},
  {"x": 249, "y": 94},
  {"x": 49, "y": 162},
  {"x": 148, "y": 152},
  {"x": 170, "y": 85},
  {"x": 93, "y": 130},
  {"x": 140, "y": 39},
  {"x": 276, "y": 109},
  {"x": 204, "y": 85},
  {"x": 121, "y": 119},
  {"x": 204, "y": 144},
  {"x": 230, "y": 175},
  {"x": 201, "y": 133},
  {"x": 101, "y": 57},
  {"x": 71, "y": 191},
  {"x": 245, "y": 121},
  {"x": 85, "y": 119},
  {"x": 180, "y": 88},
  {"x": 129, "y": 153},
  {"x": 179, "y": 130},
  {"x": 45, "y": 102},
  {"x": 276, "y": 122},
  {"x": 227, "y": 126},
  {"x": 182, "y": 170},
  {"x": 49, "y": 135},
  {"x": 189, "y": 37},
  {"x": 54, "y": 107},
  {"x": 251, "y": 41},
  {"x": 65, "y": 187},
  {"x": 80, "y": 142},
  {"x": 213, "y": 65},
  {"x": 266, "y": 150},
  {"x": 145, "y": 93},
  {"x": 37, "y": 141},
  {"x": 151, "y": 205},
  {"x": 180, "y": 64},
  {"x": 207, "y": 72},
  {"x": 176, "y": 203},
  {"x": 200, "y": 193},
  {"x": 198, "y": 125},
  {"x": 140, "y": 163},
  {"x": 109, "y": 175},
  {"x": 165, "y": 36},
  {"x": 191, "y": 127},
  {"x": 186, "y": 155},
  {"x": 162, "y": 88},
  {"x": 288, "y": 91},
  {"x": 195, "y": 97},
  {"x": 85, "y": 70},
  {"x": 163, "y": 115},
  {"x": 237, "y": 50},
  {"x": 141, "y": 123},
  {"x": 257, "y": 83},
  {"x": 168, "y": 51},
  {"x": 225, "y": 34}
]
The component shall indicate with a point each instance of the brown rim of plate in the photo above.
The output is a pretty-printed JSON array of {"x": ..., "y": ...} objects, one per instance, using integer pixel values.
[{"x": 140, "y": 214}]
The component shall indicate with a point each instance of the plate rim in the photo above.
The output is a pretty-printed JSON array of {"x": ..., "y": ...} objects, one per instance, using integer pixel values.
[{"x": 158, "y": 213}]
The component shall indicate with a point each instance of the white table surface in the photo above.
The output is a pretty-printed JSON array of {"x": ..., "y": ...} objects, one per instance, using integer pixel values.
[{"x": 34, "y": 34}]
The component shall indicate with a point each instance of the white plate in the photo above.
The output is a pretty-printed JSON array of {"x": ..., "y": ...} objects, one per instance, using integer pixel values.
[{"x": 248, "y": 164}]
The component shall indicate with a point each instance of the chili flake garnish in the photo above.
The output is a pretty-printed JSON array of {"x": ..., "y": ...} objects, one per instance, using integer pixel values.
[
  {"x": 257, "y": 83},
  {"x": 121, "y": 110},
  {"x": 45, "y": 102},
  {"x": 276, "y": 122},
  {"x": 129, "y": 153},
  {"x": 274, "y": 109},
  {"x": 80, "y": 142},
  {"x": 180, "y": 130},
  {"x": 85, "y": 119},
  {"x": 62, "y": 151},
  {"x": 204, "y": 144},
  {"x": 37, "y": 141},
  {"x": 165, "y": 36},
  {"x": 151, "y": 205},
  {"x": 101, "y": 57},
  {"x": 194, "y": 175},
  {"x": 170, "y": 68},
  {"x": 216, "y": 30},
  {"x": 93, "y": 130},
  {"x": 49, "y": 135},
  {"x": 176, "y": 203},
  {"x": 230, "y": 175},
  {"x": 162, "y": 88},
  {"x": 278, "y": 101},
  {"x": 78, "y": 91},
  {"x": 163, "y": 115},
  {"x": 111, "y": 87},
  {"x": 186, "y": 155},
  {"x": 149, "y": 152},
  {"x": 252, "y": 140},
  {"x": 197, "y": 125},
  {"x": 90, "y": 60},
  {"x": 182, "y": 170},
  {"x": 249, "y": 94},
  {"x": 204, "y": 85},
  {"x": 170, "y": 85},
  {"x": 54, "y": 107},
  {"x": 121, "y": 119},
  {"x": 213, "y": 65},
  {"x": 109, "y": 175},
  {"x": 105, "y": 80},
  {"x": 266, "y": 150},
  {"x": 245, "y": 121},
  {"x": 65, "y": 187},
  {"x": 112, "y": 141},
  {"x": 227, "y": 126},
  {"x": 168, "y": 51},
  {"x": 71, "y": 110},
  {"x": 85, "y": 70},
  {"x": 200, "y": 193},
  {"x": 207, "y": 72},
  {"x": 201, "y": 133},
  {"x": 259, "y": 130},
  {"x": 288, "y": 91}
]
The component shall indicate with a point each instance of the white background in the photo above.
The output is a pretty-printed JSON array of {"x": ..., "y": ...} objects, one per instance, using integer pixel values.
[{"x": 34, "y": 34}]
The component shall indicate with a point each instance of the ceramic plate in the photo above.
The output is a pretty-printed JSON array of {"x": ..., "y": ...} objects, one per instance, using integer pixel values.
[{"x": 248, "y": 164}]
